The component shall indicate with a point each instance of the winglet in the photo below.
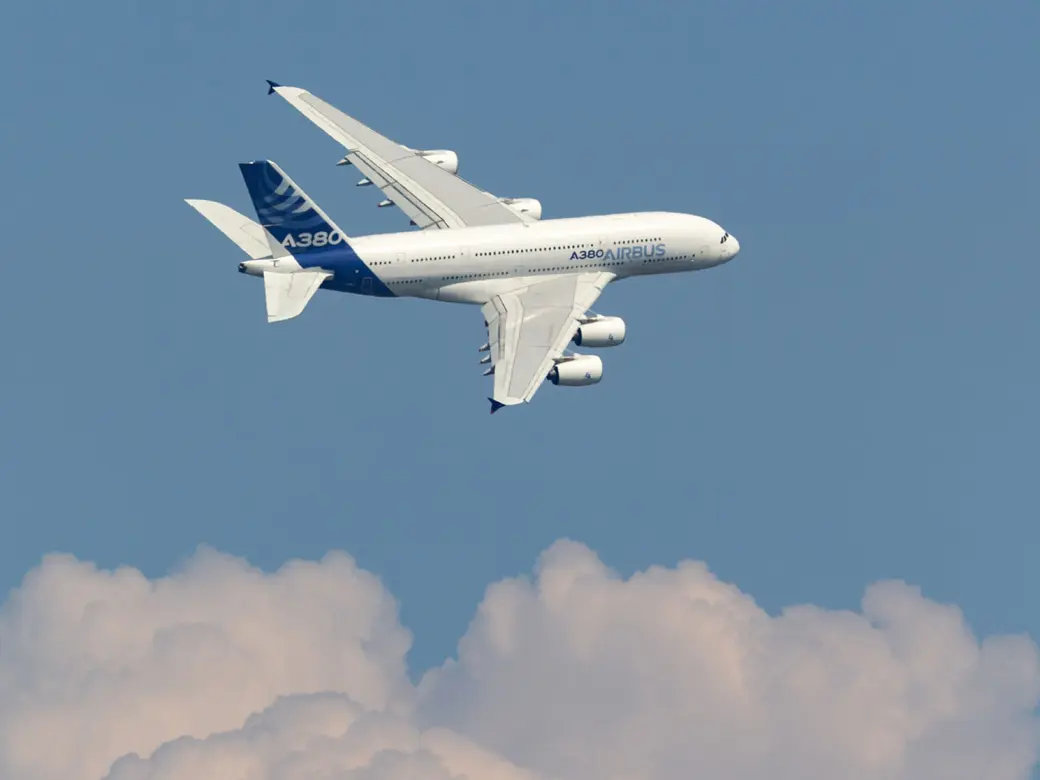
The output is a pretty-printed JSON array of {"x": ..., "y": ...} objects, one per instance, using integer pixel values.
[
  {"x": 495, "y": 405},
  {"x": 271, "y": 85}
]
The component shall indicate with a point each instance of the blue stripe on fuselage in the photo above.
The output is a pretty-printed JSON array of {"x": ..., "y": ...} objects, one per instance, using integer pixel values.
[{"x": 350, "y": 273}]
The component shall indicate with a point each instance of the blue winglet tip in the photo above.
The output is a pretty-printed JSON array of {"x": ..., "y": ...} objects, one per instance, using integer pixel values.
[
  {"x": 271, "y": 85},
  {"x": 495, "y": 405}
]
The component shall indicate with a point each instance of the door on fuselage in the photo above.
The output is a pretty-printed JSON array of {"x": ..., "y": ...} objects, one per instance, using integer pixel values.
[{"x": 351, "y": 279}]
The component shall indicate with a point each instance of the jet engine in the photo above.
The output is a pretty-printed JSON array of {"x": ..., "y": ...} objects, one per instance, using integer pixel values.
[
  {"x": 528, "y": 206},
  {"x": 600, "y": 332},
  {"x": 445, "y": 158},
  {"x": 580, "y": 371}
]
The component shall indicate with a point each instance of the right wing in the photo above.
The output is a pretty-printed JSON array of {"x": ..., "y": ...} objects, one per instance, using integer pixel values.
[
  {"x": 430, "y": 196},
  {"x": 529, "y": 328}
]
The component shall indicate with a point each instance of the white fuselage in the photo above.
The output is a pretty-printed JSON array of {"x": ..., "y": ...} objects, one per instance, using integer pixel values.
[
  {"x": 472, "y": 265},
  {"x": 469, "y": 265}
]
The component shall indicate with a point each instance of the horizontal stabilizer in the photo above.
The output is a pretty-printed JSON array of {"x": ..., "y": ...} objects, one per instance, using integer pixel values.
[
  {"x": 250, "y": 237},
  {"x": 289, "y": 293}
]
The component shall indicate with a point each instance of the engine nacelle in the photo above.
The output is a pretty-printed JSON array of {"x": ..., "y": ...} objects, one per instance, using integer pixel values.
[
  {"x": 529, "y": 206},
  {"x": 579, "y": 372},
  {"x": 445, "y": 158},
  {"x": 602, "y": 332}
]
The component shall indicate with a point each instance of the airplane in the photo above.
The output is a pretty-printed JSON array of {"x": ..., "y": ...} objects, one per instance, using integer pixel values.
[{"x": 534, "y": 279}]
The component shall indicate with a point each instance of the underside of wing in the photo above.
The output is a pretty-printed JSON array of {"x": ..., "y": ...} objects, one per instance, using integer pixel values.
[
  {"x": 431, "y": 196},
  {"x": 529, "y": 328}
]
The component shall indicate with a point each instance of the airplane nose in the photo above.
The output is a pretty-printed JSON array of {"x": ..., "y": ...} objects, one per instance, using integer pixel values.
[{"x": 729, "y": 248}]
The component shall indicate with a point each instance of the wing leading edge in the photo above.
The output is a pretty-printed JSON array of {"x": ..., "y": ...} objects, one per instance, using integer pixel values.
[
  {"x": 529, "y": 328},
  {"x": 431, "y": 196}
]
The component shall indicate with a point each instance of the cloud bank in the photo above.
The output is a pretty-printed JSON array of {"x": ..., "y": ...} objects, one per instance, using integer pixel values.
[{"x": 219, "y": 670}]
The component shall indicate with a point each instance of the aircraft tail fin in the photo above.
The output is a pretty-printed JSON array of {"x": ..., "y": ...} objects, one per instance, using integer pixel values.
[
  {"x": 295, "y": 223},
  {"x": 250, "y": 237}
]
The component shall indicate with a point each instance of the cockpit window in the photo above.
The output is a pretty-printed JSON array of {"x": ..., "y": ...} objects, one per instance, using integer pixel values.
[{"x": 725, "y": 236}]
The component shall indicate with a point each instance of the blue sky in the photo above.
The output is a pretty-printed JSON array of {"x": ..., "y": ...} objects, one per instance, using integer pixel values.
[{"x": 852, "y": 399}]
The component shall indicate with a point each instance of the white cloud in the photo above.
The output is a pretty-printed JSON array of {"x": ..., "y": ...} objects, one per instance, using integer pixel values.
[
  {"x": 222, "y": 671},
  {"x": 95, "y": 664},
  {"x": 674, "y": 674},
  {"x": 319, "y": 736}
]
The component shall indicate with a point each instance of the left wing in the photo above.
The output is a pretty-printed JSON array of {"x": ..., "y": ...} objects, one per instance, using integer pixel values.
[
  {"x": 431, "y": 196},
  {"x": 528, "y": 329}
]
